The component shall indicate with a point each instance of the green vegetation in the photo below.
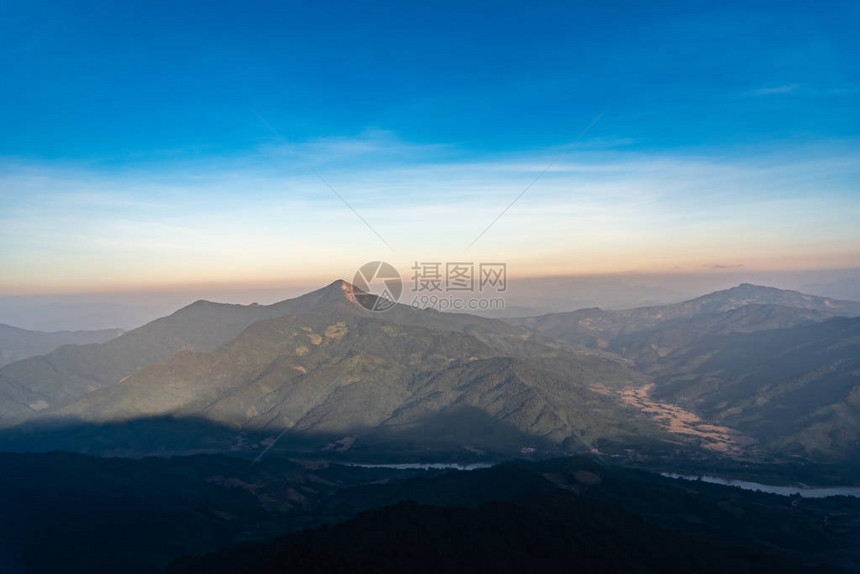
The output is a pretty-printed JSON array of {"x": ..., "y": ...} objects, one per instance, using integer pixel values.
[{"x": 749, "y": 372}]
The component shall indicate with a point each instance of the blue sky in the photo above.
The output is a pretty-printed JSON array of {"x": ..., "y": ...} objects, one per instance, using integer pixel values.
[{"x": 130, "y": 146}]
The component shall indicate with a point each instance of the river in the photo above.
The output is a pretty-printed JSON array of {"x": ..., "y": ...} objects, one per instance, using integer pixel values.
[
  {"x": 426, "y": 466},
  {"x": 803, "y": 491}
]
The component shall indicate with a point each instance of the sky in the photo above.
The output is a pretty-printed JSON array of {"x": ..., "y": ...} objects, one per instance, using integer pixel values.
[{"x": 149, "y": 145}]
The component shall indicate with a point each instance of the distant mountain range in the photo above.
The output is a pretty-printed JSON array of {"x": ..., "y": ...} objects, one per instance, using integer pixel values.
[
  {"x": 748, "y": 369},
  {"x": 17, "y": 344},
  {"x": 598, "y": 327}
]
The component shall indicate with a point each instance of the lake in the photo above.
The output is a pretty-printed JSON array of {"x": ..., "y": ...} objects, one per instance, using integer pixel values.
[
  {"x": 803, "y": 491},
  {"x": 426, "y": 466}
]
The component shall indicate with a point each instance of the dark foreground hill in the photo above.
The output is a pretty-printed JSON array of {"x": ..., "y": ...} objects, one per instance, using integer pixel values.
[
  {"x": 555, "y": 516},
  {"x": 77, "y": 514}
]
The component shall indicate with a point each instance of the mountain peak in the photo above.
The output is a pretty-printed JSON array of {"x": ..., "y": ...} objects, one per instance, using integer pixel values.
[
  {"x": 749, "y": 294},
  {"x": 753, "y": 287},
  {"x": 746, "y": 290},
  {"x": 339, "y": 290},
  {"x": 335, "y": 293}
]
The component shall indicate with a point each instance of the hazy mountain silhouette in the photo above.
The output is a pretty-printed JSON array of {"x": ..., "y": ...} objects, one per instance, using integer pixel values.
[
  {"x": 598, "y": 327},
  {"x": 17, "y": 343}
]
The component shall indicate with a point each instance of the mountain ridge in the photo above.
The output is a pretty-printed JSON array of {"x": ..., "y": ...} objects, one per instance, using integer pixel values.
[
  {"x": 595, "y": 326},
  {"x": 360, "y": 374},
  {"x": 17, "y": 343},
  {"x": 324, "y": 366},
  {"x": 62, "y": 375}
]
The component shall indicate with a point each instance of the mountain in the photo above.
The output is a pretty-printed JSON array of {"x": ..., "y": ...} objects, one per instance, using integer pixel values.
[
  {"x": 779, "y": 367},
  {"x": 17, "y": 343},
  {"x": 797, "y": 389},
  {"x": 343, "y": 372},
  {"x": 649, "y": 346},
  {"x": 70, "y": 372},
  {"x": 63, "y": 375},
  {"x": 322, "y": 372},
  {"x": 596, "y": 327}
]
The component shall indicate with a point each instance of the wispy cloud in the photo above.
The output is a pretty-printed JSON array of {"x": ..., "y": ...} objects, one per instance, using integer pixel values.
[{"x": 776, "y": 90}]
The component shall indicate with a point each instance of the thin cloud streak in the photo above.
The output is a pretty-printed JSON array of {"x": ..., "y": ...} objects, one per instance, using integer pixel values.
[{"x": 776, "y": 90}]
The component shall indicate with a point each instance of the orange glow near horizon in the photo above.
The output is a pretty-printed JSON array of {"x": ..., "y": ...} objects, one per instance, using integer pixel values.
[{"x": 517, "y": 270}]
